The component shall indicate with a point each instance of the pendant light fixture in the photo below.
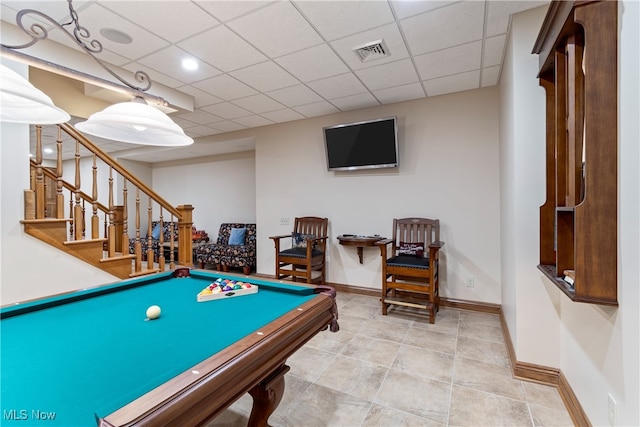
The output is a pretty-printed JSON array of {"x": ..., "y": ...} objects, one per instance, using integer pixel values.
[
  {"x": 22, "y": 102},
  {"x": 134, "y": 122}
]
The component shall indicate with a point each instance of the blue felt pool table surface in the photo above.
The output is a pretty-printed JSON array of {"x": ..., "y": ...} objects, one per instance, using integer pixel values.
[{"x": 84, "y": 359}]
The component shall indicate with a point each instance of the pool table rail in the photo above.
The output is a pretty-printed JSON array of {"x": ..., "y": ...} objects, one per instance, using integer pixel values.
[{"x": 255, "y": 364}]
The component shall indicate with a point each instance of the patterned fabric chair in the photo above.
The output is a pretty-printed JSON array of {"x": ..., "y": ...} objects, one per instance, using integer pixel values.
[
  {"x": 155, "y": 240},
  {"x": 228, "y": 252}
]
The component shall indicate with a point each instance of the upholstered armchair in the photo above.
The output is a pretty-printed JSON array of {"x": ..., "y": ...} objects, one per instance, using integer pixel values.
[{"x": 234, "y": 248}]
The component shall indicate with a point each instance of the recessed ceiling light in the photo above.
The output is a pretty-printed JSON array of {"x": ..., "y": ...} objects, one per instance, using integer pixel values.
[
  {"x": 189, "y": 64},
  {"x": 116, "y": 36},
  {"x": 48, "y": 150}
]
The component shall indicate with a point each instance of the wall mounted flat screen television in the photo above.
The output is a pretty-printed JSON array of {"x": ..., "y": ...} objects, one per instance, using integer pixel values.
[{"x": 362, "y": 145}]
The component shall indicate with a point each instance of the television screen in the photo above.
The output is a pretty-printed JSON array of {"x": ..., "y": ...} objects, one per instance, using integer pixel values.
[{"x": 362, "y": 145}]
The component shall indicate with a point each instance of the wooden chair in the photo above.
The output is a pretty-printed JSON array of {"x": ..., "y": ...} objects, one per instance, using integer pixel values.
[
  {"x": 306, "y": 257},
  {"x": 410, "y": 269}
]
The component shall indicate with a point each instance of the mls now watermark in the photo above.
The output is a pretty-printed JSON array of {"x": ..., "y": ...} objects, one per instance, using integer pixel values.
[{"x": 24, "y": 415}]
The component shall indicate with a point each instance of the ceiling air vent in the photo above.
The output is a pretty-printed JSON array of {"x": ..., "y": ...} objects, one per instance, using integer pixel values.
[{"x": 372, "y": 51}]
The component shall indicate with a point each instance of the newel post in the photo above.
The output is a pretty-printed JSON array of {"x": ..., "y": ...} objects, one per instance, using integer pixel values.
[{"x": 185, "y": 242}]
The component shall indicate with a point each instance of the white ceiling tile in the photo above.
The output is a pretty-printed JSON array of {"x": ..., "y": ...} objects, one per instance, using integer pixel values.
[
  {"x": 225, "y": 87},
  {"x": 490, "y": 76},
  {"x": 200, "y": 130},
  {"x": 265, "y": 76},
  {"x": 57, "y": 10},
  {"x": 388, "y": 75},
  {"x": 449, "y": 26},
  {"x": 337, "y": 86},
  {"x": 499, "y": 14},
  {"x": 229, "y": 126},
  {"x": 253, "y": 121},
  {"x": 406, "y": 8},
  {"x": 95, "y": 17},
  {"x": 200, "y": 117},
  {"x": 200, "y": 97},
  {"x": 285, "y": 115},
  {"x": 169, "y": 61},
  {"x": 287, "y": 31},
  {"x": 227, "y": 110},
  {"x": 392, "y": 39},
  {"x": 399, "y": 93},
  {"x": 258, "y": 104},
  {"x": 154, "y": 75},
  {"x": 182, "y": 122},
  {"x": 335, "y": 19},
  {"x": 295, "y": 95},
  {"x": 223, "y": 49},
  {"x": 314, "y": 63},
  {"x": 225, "y": 10},
  {"x": 111, "y": 58},
  {"x": 455, "y": 83},
  {"x": 316, "y": 109},
  {"x": 493, "y": 50},
  {"x": 171, "y": 20},
  {"x": 449, "y": 61},
  {"x": 354, "y": 102}
]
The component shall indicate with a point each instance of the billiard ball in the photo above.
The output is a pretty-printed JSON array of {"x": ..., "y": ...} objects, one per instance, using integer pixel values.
[{"x": 153, "y": 312}]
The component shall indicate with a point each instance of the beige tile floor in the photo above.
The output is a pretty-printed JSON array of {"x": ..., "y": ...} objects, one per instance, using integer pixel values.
[{"x": 400, "y": 370}]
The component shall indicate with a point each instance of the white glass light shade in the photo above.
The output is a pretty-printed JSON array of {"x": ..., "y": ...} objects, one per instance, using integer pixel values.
[
  {"x": 22, "y": 102},
  {"x": 135, "y": 122}
]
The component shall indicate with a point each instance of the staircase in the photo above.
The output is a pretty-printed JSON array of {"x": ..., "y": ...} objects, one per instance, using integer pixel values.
[{"x": 105, "y": 244}]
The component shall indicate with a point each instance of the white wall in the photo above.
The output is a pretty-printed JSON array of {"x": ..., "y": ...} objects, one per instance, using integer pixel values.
[
  {"x": 29, "y": 267},
  {"x": 220, "y": 188},
  {"x": 448, "y": 170},
  {"x": 595, "y": 347},
  {"x": 525, "y": 295}
]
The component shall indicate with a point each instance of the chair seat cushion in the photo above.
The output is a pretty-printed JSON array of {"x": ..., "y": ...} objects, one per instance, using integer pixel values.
[
  {"x": 408, "y": 261},
  {"x": 300, "y": 252}
]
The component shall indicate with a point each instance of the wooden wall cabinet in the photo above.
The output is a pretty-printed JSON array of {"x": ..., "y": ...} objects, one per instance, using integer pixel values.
[{"x": 578, "y": 53}]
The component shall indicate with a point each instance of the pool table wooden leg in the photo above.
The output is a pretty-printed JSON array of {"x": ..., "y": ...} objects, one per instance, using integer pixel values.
[{"x": 266, "y": 397}]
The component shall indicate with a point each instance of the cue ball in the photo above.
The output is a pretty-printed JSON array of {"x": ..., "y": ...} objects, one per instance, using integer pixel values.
[{"x": 153, "y": 312}]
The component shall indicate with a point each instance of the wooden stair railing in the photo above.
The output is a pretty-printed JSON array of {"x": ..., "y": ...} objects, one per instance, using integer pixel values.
[{"x": 46, "y": 205}]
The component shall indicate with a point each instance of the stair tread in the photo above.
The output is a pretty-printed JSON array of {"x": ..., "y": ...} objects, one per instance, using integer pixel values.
[
  {"x": 118, "y": 258},
  {"x": 84, "y": 241},
  {"x": 44, "y": 220}
]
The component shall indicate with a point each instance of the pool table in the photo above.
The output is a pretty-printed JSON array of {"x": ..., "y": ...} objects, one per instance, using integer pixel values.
[{"x": 91, "y": 357}]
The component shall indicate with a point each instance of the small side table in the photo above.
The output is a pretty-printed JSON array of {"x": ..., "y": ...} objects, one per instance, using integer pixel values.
[{"x": 360, "y": 242}]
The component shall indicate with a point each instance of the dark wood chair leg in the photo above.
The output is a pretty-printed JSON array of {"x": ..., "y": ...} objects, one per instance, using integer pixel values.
[{"x": 246, "y": 270}]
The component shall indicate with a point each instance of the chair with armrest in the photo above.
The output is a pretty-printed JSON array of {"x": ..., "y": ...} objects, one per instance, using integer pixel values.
[
  {"x": 305, "y": 259},
  {"x": 410, "y": 268}
]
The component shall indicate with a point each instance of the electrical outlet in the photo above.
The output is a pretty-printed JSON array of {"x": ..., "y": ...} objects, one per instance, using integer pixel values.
[
  {"x": 284, "y": 221},
  {"x": 611, "y": 410},
  {"x": 470, "y": 282}
]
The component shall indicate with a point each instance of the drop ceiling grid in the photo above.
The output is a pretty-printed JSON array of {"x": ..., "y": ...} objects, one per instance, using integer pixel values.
[{"x": 267, "y": 61}]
